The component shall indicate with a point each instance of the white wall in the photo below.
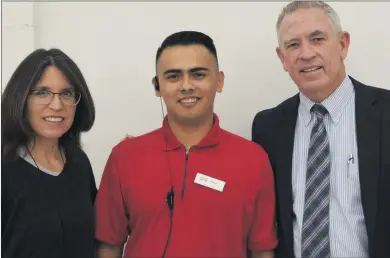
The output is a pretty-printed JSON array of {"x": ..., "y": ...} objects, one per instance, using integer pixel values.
[
  {"x": 17, "y": 36},
  {"x": 115, "y": 44}
]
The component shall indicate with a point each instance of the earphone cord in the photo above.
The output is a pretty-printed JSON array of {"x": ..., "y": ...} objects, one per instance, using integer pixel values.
[{"x": 169, "y": 233}]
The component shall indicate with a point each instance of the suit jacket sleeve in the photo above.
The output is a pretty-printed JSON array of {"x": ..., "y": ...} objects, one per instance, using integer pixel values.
[{"x": 259, "y": 128}]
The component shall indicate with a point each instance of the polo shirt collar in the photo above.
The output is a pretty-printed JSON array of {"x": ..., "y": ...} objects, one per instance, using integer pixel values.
[{"x": 211, "y": 139}]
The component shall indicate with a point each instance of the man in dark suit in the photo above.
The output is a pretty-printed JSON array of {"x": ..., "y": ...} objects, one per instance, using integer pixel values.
[{"x": 329, "y": 145}]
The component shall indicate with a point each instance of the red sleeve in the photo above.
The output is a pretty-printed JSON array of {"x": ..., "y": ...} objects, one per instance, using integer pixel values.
[
  {"x": 263, "y": 232},
  {"x": 111, "y": 217}
]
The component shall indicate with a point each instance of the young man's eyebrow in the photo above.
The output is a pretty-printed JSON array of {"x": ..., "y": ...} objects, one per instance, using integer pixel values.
[
  {"x": 198, "y": 69},
  {"x": 172, "y": 71},
  {"x": 191, "y": 70}
]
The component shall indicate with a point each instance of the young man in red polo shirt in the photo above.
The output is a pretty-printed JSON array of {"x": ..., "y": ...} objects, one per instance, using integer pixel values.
[{"x": 189, "y": 188}]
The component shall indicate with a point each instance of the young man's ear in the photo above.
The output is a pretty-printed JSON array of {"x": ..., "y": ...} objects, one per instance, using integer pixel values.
[
  {"x": 156, "y": 86},
  {"x": 221, "y": 81}
]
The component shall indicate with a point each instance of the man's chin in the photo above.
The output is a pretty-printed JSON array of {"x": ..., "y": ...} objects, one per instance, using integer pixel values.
[
  {"x": 189, "y": 119},
  {"x": 312, "y": 86}
]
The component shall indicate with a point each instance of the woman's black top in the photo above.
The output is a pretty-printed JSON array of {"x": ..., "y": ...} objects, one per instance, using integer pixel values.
[{"x": 45, "y": 216}]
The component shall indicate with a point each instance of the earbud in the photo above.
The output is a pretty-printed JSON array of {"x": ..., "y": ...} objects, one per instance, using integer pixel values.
[{"x": 156, "y": 84}]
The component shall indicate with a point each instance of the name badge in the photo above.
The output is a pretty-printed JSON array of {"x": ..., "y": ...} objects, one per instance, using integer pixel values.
[{"x": 209, "y": 182}]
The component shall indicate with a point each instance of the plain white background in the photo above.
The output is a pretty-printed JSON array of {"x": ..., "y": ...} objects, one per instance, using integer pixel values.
[{"x": 115, "y": 44}]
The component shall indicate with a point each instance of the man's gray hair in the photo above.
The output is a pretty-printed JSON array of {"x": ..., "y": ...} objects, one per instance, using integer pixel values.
[{"x": 296, "y": 5}]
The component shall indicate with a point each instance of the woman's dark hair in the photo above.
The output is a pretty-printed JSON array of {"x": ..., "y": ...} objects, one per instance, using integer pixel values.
[{"x": 15, "y": 126}]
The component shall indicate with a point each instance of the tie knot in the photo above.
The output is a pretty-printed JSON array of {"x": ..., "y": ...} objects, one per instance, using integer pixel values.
[{"x": 319, "y": 110}]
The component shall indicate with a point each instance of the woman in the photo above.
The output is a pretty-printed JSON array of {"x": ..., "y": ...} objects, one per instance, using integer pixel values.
[{"x": 48, "y": 188}]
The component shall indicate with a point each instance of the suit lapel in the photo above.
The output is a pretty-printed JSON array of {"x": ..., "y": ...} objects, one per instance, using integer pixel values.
[
  {"x": 284, "y": 167},
  {"x": 368, "y": 142}
]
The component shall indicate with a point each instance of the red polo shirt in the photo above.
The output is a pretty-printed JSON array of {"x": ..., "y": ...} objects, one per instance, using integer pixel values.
[{"x": 130, "y": 204}]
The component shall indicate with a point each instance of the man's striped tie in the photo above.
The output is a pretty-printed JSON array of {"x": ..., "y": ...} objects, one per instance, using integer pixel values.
[{"x": 315, "y": 226}]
